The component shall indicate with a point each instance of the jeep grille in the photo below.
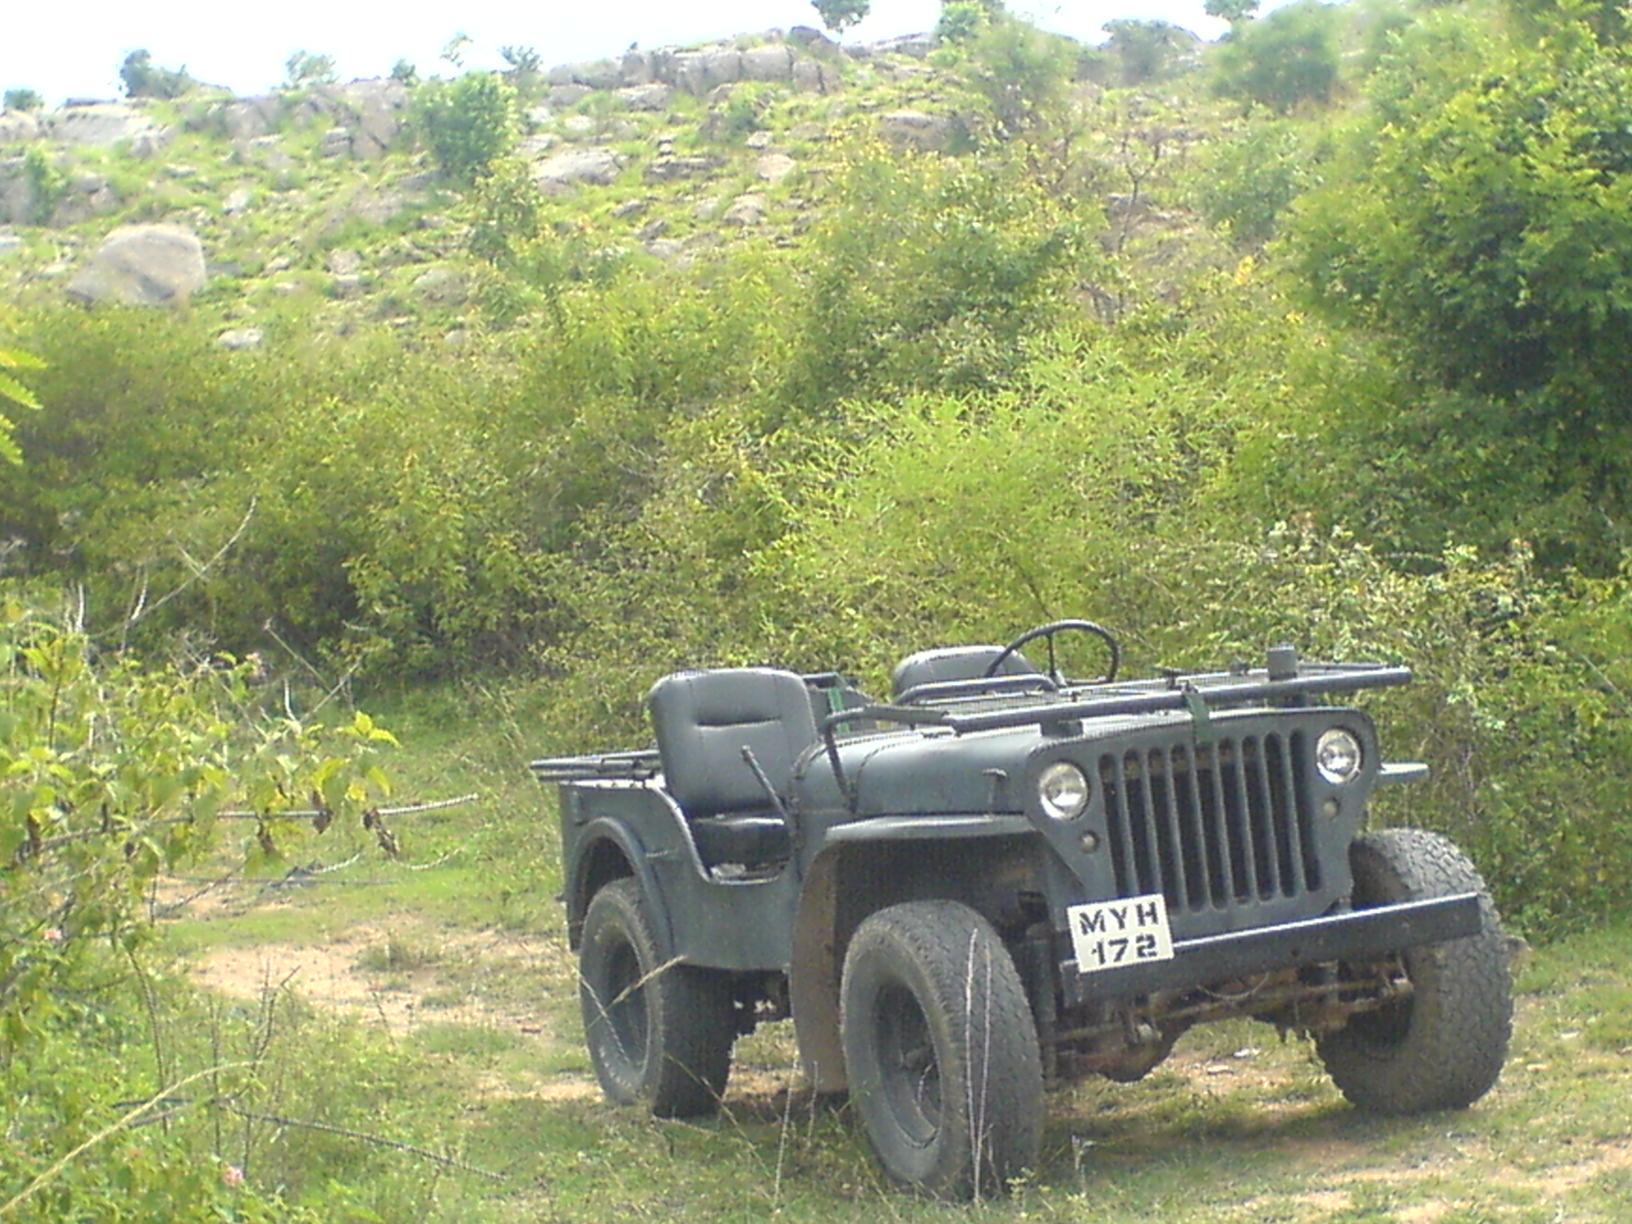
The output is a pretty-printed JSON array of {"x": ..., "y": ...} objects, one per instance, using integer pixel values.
[{"x": 1216, "y": 826}]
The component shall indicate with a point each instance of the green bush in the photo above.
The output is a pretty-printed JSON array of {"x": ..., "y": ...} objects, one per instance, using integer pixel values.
[
  {"x": 1145, "y": 50},
  {"x": 840, "y": 15},
  {"x": 975, "y": 257},
  {"x": 23, "y": 100},
  {"x": 961, "y": 20},
  {"x": 1480, "y": 214},
  {"x": 113, "y": 772},
  {"x": 143, "y": 80},
  {"x": 1023, "y": 74},
  {"x": 468, "y": 123},
  {"x": 307, "y": 68},
  {"x": 1247, "y": 180},
  {"x": 12, "y": 360},
  {"x": 1288, "y": 58}
]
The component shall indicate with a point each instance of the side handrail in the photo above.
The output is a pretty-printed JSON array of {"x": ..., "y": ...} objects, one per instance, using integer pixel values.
[
  {"x": 638, "y": 765},
  {"x": 1326, "y": 680}
]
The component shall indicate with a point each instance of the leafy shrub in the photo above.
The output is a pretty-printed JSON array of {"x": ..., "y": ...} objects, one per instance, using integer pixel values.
[
  {"x": 745, "y": 109},
  {"x": 1232, "y": 11},
  {"x": 47, "y": 183},
  {"x": 1480, "y": 215},
  {"x": 468, "y": 123},
  {"x": 960, "y": 20},
  {"x": 840, "y": 15},
  {"x": 13, "y": 359},
  {"x": 508, "y": 212},
  {"x": 1288, "y": 58},
  {"x": 114, "y": 772},
  {"x": 1246, "y": 182},
  {"x": 23, "y": 100},
  {"x": 975, "y": 257},
  {"x": 1022, "y": 73},
  {"x": 306, "y": 68},
  {"x": 143, "y": 80},
  {"x": 1147, "y": 50}
]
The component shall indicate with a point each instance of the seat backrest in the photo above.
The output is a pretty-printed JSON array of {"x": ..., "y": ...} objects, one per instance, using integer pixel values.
[
  {"x": 954, "y": 663},
  {"x": 704, "y": 719}
]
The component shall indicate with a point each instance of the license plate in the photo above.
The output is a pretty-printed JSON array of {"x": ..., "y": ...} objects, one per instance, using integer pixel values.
[{"x": 1129, "y": 931}]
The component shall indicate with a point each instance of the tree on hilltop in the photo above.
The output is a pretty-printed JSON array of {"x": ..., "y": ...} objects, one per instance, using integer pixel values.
[
  {"x": 840, "y": 15},
  {"x": 143, "y": 80}
]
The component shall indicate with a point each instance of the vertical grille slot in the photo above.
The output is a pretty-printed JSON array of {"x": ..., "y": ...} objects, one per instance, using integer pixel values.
[{"x": 1213, "y": 826}]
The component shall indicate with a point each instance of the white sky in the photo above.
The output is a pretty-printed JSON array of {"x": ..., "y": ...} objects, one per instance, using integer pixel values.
[{"x": 76, "y": 50}]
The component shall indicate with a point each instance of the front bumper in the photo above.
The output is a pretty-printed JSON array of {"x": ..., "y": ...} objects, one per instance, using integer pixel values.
[{"x": 1359, "y": 935}]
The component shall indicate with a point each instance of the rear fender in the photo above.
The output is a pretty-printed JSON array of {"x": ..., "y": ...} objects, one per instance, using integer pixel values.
[{"x": 607, "y": 850}]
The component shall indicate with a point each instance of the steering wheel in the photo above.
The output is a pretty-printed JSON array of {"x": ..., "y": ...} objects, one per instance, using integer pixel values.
[{"x": 1060, "y": 626}]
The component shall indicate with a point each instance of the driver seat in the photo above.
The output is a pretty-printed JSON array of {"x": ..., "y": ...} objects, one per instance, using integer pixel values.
[{"x": 954, "y": 663}]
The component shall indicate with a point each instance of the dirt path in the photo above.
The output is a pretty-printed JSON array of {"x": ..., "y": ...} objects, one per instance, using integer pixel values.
[{"x": 402, "y": 974}]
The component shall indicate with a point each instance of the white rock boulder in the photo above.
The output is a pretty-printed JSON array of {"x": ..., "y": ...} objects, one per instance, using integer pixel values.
[{"x": 143, "y": 265}]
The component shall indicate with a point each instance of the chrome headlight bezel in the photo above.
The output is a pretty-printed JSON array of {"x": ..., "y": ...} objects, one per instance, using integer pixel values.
[
  {"x": 1063, "y": 791},
  {"x": 1339, "y": 755}
]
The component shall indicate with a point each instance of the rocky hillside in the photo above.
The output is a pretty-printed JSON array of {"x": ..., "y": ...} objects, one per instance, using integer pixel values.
[{"x": 320, "y": 205}]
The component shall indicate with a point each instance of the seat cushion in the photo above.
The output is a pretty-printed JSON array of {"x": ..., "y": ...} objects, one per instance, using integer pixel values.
[
  {"x": 750, "y": 840},
  {"x": 954, "y": 663}
]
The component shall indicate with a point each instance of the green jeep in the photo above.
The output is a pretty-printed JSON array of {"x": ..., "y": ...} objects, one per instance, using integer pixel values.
[{"x": 1002, "y": 876}]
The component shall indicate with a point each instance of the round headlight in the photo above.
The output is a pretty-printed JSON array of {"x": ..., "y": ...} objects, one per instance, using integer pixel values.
[
  {"x": 1338, "y": 756},
  {"x": 1062, "y": 789}
]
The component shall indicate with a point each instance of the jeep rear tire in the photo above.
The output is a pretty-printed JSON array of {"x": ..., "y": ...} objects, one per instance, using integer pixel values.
[
  {"x": 941, "y": 1049},
  {"x": 659, "y": 1035},
  {"x": 1444, "y": 1045}
]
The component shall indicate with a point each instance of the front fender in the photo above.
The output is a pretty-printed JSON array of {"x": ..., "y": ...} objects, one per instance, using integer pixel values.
[{"x": 863, "y": 866}]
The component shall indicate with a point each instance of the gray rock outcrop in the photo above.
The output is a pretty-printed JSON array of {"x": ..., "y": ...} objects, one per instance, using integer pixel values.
[
  {"x": 86, "y": 195},
  {"x": 18, "y": 127},
  {"x": 441, "y": 286},
  {"x": 19, "y": 197},
  {"x": 668, "y": 169},
  {"x": 774, "y": 167},
  {"x": 364, "y": 118},
  {"x": 143, "y": 265},
  {"x": 379, "y": 110},
  {"x": 238, "y": 339},
  {"x": 746, "y": 210},
  {"x": 569, "y": 94},
  {"x": 700, "y": 70},
  {"x": 911, "y": 129},
  {"x": 917, "y": 46},
  {"x": 102, "y": 125},
  {"x": 564, "y": 171},
  {"x": 652, "y": 97},
  {"x": 247, "y": 118}
]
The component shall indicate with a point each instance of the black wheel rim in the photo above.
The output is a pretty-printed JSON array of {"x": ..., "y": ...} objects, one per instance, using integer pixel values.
[
  {"x": 908, "y": 1068},
  {"x": 624, "y": 1007}
]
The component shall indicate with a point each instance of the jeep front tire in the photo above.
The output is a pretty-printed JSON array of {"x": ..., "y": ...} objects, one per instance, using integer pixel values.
[
  {"x": 941, "y": 1049},
  {"x": 1443, "y": 1046}
]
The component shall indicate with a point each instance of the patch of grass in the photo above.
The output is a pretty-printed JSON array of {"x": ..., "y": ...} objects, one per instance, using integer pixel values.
[
  {"x": 477, "y": 1043},
  {"x": 396, "y": 955}
]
